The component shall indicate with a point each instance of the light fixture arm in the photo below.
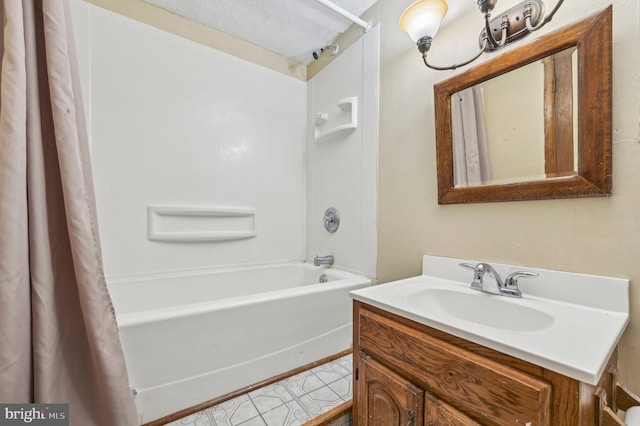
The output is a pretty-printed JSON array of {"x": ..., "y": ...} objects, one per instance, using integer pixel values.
[
  {"x": 424, "y": 44},
  {"x": 504, "y": 28},
  {"x": 485, "y": 43},
  {"x": 487, "y": 27},
  {"x": 527, "y": 17}
]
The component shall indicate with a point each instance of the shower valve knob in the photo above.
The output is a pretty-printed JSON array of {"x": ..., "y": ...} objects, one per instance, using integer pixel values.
[{"x": 331, "y": 219}]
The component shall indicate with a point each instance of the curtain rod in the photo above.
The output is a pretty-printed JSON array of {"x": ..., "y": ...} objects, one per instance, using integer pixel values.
[{"x": 350, "y": 16}]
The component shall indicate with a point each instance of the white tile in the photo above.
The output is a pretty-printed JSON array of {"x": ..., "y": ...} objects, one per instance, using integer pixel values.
[
  {"x": 290, "y": 414},
  {"x": 320, "y": 400},
  {"x": 272, "y": 389},
  {"x": 303, "y": 383},
  {"x": 343, "y": 388},
  {"x": 197, "y": 419},
  {"x": 230, "y": 404},
  {"x": 346, "y": 362},
  {"x": 243, "y": 412},
  {"x": 324, "y": 394},
  {"x": 270, "y": 397},
  {"x": 332, "y": 371},
  {"x": 233, "y": 412},
  {"x": 256, "y": 421}
]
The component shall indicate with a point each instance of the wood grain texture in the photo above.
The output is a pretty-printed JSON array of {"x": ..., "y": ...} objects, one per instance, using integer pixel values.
[
  {"x": 605, "y": 416},
  {"x": 387, "y": 398},
  {"x": 626, "y": 399},
  {"x": 590, "y": 396},
  {"x": 558, "y": 114},
  {"x": 593, "y": 38},
  {"x": 439, "y": 413},
  {"x": 487, "y": 390}
]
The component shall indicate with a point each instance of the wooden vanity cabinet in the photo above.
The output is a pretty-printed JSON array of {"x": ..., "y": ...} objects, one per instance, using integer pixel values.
[
  {"x": 411, "y": 375},
  {"x": 390, "y": 399}
]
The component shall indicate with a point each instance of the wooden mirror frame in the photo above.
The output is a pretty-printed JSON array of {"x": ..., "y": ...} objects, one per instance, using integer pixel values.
[{"x": 593, "y": 38}]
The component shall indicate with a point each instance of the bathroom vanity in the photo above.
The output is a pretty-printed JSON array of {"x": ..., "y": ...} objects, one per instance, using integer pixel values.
[{"x": 430, "y": 351}]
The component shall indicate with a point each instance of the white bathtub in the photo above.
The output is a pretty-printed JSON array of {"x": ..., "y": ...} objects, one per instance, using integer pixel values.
[{"x": 192, "y": 337}]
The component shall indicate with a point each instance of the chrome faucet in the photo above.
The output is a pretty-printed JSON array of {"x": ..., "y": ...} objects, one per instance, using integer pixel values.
[
  {"x": 323, "y": 260},
  {"x": 487, "y": 279}
]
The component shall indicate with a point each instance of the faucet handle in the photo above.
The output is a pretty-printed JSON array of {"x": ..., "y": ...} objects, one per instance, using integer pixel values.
[
  {"x": 468, "y": 266},
  {"x": 478, "y": 272},
  {"x": 512, "y": 279}
]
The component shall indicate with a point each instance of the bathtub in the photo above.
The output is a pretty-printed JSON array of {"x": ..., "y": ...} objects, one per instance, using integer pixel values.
[{"x": 194, "y": 336}]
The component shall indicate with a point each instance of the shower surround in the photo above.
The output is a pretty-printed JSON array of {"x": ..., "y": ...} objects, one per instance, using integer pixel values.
[{"x": 192, "y": 127}]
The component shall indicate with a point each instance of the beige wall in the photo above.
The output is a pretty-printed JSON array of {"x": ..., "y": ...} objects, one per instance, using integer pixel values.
[
  {"x": 517, "y": 150},
  {"x": 594, "y": 236}
]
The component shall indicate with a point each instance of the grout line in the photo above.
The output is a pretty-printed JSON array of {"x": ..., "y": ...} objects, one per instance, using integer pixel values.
[
  {"x": 261, "y": 413},
  {"x": 257, "y": 409},
  {"x": 300, "y": 403}
]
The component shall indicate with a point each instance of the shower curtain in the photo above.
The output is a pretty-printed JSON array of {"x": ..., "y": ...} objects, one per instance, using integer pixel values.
[
  {"x": 59, "y": 341},
  {"x": 471, "y": 163}
]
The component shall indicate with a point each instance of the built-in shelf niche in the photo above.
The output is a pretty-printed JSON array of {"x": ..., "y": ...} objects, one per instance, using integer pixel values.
[
  {"x": 340, "y": 118},
  {"x": 200, "y": 223}
]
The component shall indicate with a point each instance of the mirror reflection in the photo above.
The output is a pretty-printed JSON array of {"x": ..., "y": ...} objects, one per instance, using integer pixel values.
[{"x": 518, "y": 127}]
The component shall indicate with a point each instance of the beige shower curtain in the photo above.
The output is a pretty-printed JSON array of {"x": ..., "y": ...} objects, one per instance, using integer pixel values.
[
  {"x": 471, "y": 162},
  {"x": 58, "y": 336}
]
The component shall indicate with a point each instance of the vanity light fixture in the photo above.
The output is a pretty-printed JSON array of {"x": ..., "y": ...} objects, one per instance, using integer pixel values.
[{"x": 421, "y": 20}]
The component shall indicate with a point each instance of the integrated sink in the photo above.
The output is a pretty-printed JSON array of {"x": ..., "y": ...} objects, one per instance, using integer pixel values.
[
  {"x": 566, "y": 322},
  {"x": 481, "y": 308}
]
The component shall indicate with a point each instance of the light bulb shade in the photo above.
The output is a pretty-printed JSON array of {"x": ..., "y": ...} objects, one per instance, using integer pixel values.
[{"x": 423, "y": 18}]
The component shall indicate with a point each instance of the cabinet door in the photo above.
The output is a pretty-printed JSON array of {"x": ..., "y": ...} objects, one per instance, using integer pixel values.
[
  {"x": 438, "y": 413},
  {"x": 384, "y": 398}
]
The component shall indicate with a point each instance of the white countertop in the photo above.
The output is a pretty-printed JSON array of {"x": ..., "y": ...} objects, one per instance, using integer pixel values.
[{"x": 588, "y": 314}]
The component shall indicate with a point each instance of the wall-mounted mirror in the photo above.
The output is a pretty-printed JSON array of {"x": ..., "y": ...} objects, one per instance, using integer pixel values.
[{"x": 533, "y": 123}]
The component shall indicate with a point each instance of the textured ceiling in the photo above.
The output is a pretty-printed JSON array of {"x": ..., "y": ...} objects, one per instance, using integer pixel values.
[{"x": 291, "y": 28}]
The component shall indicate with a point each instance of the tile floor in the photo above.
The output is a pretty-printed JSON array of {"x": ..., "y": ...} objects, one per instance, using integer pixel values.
[{"x": 292, "y": 401}]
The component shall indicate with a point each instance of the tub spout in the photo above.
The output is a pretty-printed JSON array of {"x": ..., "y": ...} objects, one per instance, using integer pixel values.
[{"x": 323, "y": 260}]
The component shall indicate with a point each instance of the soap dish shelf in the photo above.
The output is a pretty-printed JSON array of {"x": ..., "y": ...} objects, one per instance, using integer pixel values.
[{"x": 345, "y": 107}]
